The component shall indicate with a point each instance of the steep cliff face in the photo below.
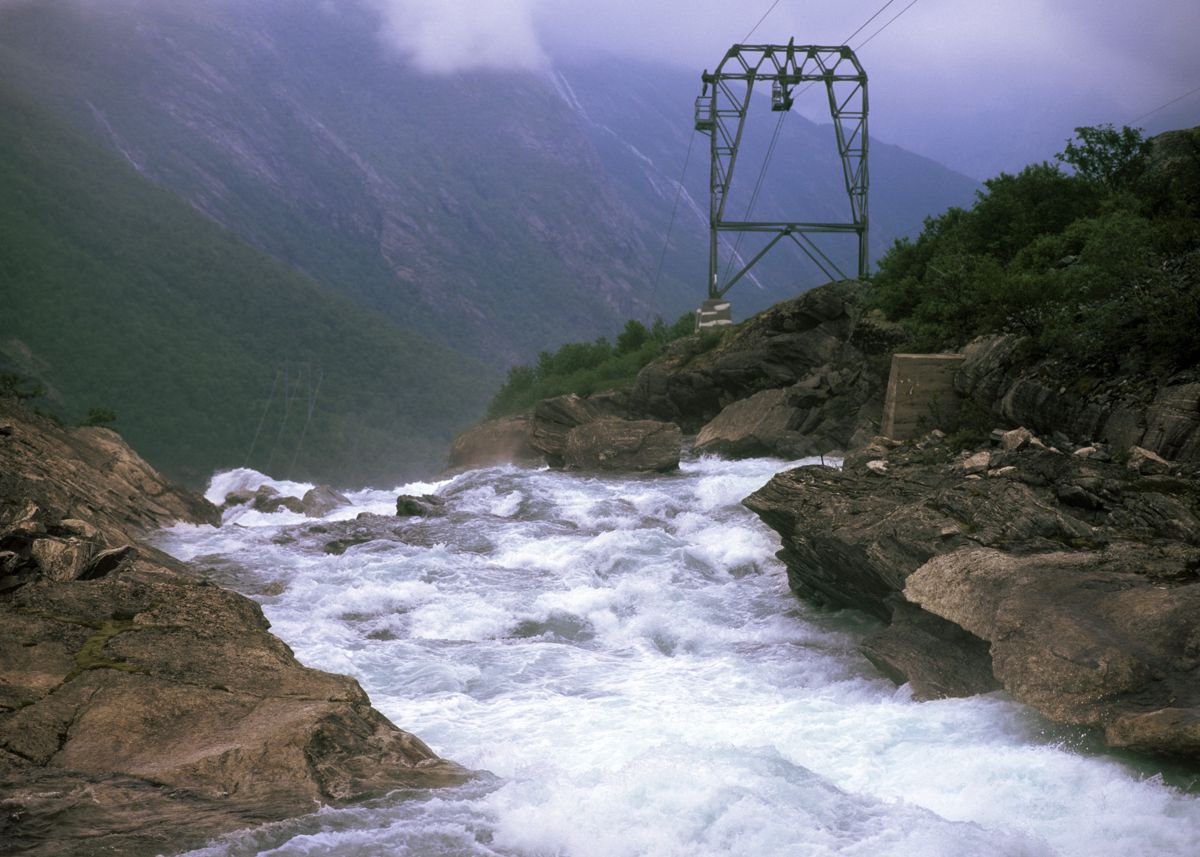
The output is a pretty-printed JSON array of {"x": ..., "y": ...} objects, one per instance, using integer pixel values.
[{"x": 143, "y": 709}]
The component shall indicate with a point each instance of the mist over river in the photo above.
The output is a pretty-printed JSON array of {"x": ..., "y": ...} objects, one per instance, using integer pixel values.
[{"x": 623, "y": 658}]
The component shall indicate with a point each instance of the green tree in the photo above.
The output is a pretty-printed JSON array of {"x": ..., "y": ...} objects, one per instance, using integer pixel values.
[{"x": 1105, "y": 156}]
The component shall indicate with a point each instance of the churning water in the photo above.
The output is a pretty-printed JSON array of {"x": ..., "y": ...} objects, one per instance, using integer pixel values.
[{"x": 624, "y": 659}]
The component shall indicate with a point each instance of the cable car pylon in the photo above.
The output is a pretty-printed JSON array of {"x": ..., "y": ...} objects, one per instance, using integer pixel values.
[{"x": 721, "y": 114}]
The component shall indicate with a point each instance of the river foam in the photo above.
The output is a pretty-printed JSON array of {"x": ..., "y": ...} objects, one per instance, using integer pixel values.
[{"x": 624, "y": 660}]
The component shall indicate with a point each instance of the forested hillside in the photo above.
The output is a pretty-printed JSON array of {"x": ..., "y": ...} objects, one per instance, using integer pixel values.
[{"x": 117, "y": 295}]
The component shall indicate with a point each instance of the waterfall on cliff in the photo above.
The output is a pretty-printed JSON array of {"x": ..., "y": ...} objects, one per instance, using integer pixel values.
[{"x": 623, "y": 659}]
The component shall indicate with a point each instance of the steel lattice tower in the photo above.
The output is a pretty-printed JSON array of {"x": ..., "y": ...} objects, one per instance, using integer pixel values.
[{"x": 721, "y": 113}]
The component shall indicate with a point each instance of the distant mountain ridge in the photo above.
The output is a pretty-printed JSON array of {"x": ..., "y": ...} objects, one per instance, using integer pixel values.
[{"x": 499, "y": 212}]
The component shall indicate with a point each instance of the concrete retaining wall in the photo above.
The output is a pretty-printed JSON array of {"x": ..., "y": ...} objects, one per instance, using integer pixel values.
[{"x": 920, "y": 394}]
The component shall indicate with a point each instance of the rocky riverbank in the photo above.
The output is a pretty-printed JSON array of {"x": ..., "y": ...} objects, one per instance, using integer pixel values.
[
  {"x": 143, "y": 709},
  {"x": 1068, "y": 578}
]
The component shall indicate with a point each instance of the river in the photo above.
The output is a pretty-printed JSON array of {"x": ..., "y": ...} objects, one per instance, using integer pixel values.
[{"x": 623, "y": 658}]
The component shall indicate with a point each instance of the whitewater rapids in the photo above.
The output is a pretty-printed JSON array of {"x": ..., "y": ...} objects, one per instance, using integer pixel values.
[{"x": 623, "y": 658}]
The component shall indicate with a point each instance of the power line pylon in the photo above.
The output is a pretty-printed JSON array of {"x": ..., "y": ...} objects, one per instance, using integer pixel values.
[{"x": 721, "y": 114}]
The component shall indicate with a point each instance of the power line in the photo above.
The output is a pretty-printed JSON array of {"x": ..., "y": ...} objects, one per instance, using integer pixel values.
[
  {"x": 865, "y": 23},
  {"x": 1161, "y": 106},
  {"x": 746, "y": 37},
  {"x": 885, "y": 26}
]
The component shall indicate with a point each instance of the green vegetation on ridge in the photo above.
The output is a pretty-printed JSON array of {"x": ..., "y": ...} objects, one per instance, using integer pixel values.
[
  {"x": 1100, "y": 268},
  {"x": 119, "y": 298},
  {"x": 587, "y": 367}
]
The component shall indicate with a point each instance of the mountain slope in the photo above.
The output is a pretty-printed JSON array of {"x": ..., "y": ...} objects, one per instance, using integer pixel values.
[
  {"x": 490, "y": 210},
  {"x": 117, "y": 294}
]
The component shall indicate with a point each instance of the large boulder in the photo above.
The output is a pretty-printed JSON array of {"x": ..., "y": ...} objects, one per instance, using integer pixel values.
[
  {"x": 1074, "y": 581},
  {"x": 320, "y": 500},
  {"x": 763, "y": 424},
  {"x": 623, "y": 445},
  {"x": 554, "y": 419},
  {"x": 505, "y": 440}
]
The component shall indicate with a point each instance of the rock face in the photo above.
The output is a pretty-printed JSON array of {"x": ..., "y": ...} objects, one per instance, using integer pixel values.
[
  {"x": 1072, "y": 582},
  {"x": 554, "y": 419},
  {"x": 1164, "y": 419},
  {"x": 764, "y": 424},
  {"x": 818, "y": 347},
  {"x": 623, "y": 445},
  {"x": 141, "y": 707}
]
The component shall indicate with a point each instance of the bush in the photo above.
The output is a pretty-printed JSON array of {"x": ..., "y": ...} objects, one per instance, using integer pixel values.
[
  {"x": 587, "y": 367},
  {"x": 99, "y": 417},
  {"x": 1089, "y": 271}
]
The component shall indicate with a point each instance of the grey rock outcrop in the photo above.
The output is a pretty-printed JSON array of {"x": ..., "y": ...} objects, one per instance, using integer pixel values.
[
  {"x": 1161, "y": 416},
  {"x": 427, "y": 505},
  {"x": 805, "y": 377},
  {"x": 554, "y": 419},
  {"x": 1072, "y": 582},
  {"x": 319, "y": 501},
  {"x": 623, "y": 445},
  {"x": 818, "y": 346}
]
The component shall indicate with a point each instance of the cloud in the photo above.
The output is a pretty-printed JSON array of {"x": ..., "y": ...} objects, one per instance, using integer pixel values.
[{"x": 446, "y": 37}]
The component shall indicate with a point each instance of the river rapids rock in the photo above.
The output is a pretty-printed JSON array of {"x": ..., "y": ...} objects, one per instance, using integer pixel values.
[
  {"x": 505, "y": 440},
  {"x": 142, "y": 709},
  {"x": 623, "y": 445},
  {"x": 1074, "y": 582}
]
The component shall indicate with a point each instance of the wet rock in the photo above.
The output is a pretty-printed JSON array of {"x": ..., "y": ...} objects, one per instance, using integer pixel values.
[
  {"x": 320, "y": 501},
  {"x": 936, "y": 657},
  {"x": 144, "y": 710},
  {"x": 623, "y": 445},
  {"x": 426, "y": 505},
  {"x": 268, "y": 500},
  {"x": 554, "y": 419}
]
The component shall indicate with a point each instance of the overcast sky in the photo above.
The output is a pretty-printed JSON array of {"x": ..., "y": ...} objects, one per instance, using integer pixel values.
[{"x": 982, "y": 84}]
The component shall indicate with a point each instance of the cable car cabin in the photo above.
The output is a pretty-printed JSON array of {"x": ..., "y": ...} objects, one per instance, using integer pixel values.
[
  {"x": 706, "y": 119},
  {"x": 781, "y": 97}
]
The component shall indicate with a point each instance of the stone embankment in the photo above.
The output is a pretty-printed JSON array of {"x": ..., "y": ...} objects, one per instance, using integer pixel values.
[
  {"x": 1066, "y": 577},
  {"x": 142, "y": 709}
]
